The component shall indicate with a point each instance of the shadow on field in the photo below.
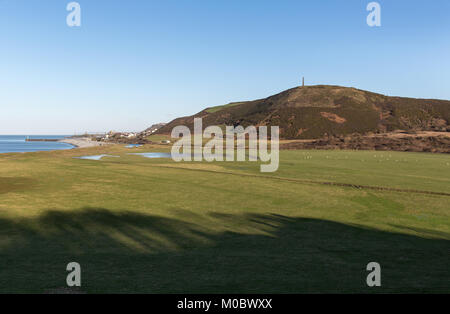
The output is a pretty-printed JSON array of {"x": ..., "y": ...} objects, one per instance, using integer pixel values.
[{"x": 132, "y": 252}]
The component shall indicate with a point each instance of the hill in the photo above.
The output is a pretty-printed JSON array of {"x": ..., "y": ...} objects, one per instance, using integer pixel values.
[{"x": 313, "y": 112}]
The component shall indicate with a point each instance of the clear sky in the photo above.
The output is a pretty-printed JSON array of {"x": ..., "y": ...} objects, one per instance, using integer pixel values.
[{"x": 137, "y": 62}]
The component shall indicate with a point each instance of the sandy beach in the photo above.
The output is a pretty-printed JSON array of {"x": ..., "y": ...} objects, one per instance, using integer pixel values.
[{"x": 83, "y": 142}]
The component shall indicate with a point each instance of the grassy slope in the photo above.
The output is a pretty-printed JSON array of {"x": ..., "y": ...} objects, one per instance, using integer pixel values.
[
  {"x": 219, "y": 108},
  {"x": 142, "y": 225}
]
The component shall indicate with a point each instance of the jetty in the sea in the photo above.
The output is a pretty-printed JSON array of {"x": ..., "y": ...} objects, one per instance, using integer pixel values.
[{"x": 41, "y": 140}]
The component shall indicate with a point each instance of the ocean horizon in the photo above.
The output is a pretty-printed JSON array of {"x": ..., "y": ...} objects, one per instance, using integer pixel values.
[{"x": 18, "y": 143}]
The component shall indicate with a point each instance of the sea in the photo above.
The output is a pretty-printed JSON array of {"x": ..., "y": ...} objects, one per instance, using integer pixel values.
[{"x": 17, "y": 143}]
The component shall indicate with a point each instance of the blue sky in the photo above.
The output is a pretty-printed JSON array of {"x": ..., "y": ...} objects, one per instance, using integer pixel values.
[{"x": 137, "y": 62}]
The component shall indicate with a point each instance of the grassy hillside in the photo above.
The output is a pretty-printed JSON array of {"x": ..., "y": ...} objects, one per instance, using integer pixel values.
[
  {"x": 219, "y": 108},
  {"x": 152, "y": 225},
  {"x": 314, "y": 111}
]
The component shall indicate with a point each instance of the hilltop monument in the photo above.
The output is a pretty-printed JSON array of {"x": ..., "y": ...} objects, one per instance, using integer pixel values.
[{"x": 303, "y": 81}]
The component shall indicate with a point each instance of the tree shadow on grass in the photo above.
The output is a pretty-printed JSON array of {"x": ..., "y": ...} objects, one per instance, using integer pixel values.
[{"x": 127, "y": 252}]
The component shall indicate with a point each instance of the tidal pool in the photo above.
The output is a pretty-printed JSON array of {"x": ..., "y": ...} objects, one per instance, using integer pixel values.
[
  {"x": 153, "y": 155},
  {"x": 94, "y": 157}
]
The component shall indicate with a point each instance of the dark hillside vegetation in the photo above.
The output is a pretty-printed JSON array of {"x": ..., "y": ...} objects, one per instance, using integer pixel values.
[{"x": 315, "y": 111}]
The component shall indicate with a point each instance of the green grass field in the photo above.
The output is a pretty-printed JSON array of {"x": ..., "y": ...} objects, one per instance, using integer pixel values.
[{"x": 156, "y": 226}]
